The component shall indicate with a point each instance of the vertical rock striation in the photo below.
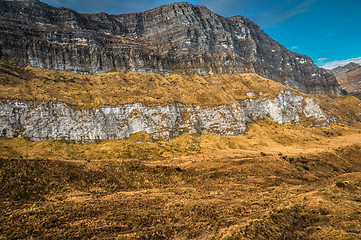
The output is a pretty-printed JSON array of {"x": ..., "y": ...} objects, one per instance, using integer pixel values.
[
  {"x": 349, "y": 78},
  {"x": 177, "y": 38},
  {"x": 43, "y": 121}
]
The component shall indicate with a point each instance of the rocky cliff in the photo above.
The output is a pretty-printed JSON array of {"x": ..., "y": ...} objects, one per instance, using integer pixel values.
[
  {"x": 177, "y": 38},
  {"x": 42, "y": 104},
  {"x": 43, "y": 121},
  {"x": 349, "y": 78}
]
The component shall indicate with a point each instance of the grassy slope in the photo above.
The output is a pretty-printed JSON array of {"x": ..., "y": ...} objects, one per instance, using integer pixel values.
[
  {"x": 89, "y": 91},
  {"x": 350, "y": 82},
  {"x": 93, "y": 91},
  {"x": 349, "y": 78},
  {"x": 275, "y": 182}
]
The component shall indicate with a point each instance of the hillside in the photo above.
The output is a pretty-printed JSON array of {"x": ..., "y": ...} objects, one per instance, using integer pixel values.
[
  {"x": 179, "y": 38},
  {"x": 276, "y": 181},
  {"x": 173, "y": 123},
  {"x": 349, "y": 78},
  {"x": 42, "y": 104},
  {"x": 118, "y": 88}
]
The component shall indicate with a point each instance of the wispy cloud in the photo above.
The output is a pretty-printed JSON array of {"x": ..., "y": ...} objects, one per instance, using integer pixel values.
[
  {"x": 334, "y": 64},
  {"x": 294, "y": 47},
  {"x": 108, "y": 6},
  {"x": 263, "y": 12},
  {"x": 321, "y": 61},
  {"x": 266, "y": 13},
  {"x": 271, "y": 16}
]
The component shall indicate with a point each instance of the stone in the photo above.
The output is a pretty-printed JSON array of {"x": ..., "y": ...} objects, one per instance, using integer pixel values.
[
  {"x": 176, "y": 38},
  {"x": 39, "y": 121},
  {"x": 349, "y": 78}
]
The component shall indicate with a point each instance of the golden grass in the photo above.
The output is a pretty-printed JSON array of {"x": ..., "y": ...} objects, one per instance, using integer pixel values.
[
  {"x": 92, "y": 91},
  {"x": 263, "y": 135},
  {"x": 347, "y": 108},
  {"x": 350, "y": 81},
  {"x": 278, "y": 181}
]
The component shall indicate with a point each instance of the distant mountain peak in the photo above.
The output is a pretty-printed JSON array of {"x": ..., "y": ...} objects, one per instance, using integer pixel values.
[
  {"x": 349, "y": 77},
  {"x": 352, "y": 65}
]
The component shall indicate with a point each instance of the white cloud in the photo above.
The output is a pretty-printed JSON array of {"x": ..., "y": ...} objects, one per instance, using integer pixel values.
[
  {"x": 334, "y": 64},
  {"x": 294, "y": 47},
  {"x": 322, "y": 59}
]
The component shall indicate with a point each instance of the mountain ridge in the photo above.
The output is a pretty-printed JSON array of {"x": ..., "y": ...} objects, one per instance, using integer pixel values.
[
  {"x": 349, "y": 78},
  {"x": 42, "y": 104},
  {"x": 169, "y": 143},
  {"x": 177, "y": 38}
]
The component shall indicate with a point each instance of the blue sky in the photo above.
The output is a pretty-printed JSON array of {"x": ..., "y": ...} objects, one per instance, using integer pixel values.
[{"x": 329, "y": 31}]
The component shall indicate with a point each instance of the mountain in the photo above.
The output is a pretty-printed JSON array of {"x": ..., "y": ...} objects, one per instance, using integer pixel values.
[
  {"x": 41, "y": 104},
  {"x": 349, "y": 77},
  {"x": 178, "y": 38},
  {"x": 175, "y": 70},
  {"x": 175, "y": 123}
]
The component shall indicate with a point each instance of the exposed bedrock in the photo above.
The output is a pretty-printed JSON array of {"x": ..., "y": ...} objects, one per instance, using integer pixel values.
[
  {"x": 177, "y": 38},
  {"x": 41, "y": 121}
]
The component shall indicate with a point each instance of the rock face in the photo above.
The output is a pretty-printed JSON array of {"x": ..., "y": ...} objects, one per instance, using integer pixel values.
[
  {"x": 349, "y": 77},
  {"x": 43, "y": 121},
  {"x": 177, "y": 38},
  {"x": 343, "y": 71}
]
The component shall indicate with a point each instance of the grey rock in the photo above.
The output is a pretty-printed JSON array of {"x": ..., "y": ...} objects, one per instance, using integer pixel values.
[
  {"x": 176, "y": 38},
  {"x": 349, "y": 78},
  {"x": 342, "y": 71},
  {"x": 48, "y": 120}
]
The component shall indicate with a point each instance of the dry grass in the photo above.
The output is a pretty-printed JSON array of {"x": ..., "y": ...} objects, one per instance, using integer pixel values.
[
  {"x": 350, "y": 82},
  {"x": 92, "y": 91},
  {"x": 347, "y": 108},
  {"x": 275, "y": 182},
  {"x": 264, "y": 135}
]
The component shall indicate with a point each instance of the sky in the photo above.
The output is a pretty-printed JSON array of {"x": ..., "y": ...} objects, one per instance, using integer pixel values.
[{"x": 329, "y": 31}]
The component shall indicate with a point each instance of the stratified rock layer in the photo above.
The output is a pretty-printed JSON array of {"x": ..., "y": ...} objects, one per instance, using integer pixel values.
[
  {"x": 177, "y": 38},
  {"x": 43, "y": 121},
  {"x": 349, "y": 78}
]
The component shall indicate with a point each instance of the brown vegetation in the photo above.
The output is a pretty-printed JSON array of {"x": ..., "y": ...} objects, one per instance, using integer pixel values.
[
  {"x": 92, "y": 91},
  {"x": 275, "y": 182},
  {"x": 346, "y": 108},
  {"x": 350, "y": 80}
]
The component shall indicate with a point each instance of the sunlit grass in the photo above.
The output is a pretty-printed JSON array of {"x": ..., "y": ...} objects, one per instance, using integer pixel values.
[{"x": 93, "y": 91}]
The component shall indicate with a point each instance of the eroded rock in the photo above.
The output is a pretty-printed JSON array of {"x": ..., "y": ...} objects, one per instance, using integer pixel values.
[
  {"x": 43, "y": 121},
  {"x": 176, "y": 38}
]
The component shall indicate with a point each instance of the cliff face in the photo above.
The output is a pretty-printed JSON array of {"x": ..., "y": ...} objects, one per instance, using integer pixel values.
[
  {"x": 349, "y": 78},
  {"x": 62, "y": 105},
  {"x": 176, "y": 38},
  {"x": 43, "y": 121}
]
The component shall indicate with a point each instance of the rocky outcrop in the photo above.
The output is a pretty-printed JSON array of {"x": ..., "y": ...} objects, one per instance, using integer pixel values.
[
  {"x": 349, "y": 78},
  {"x": 343, "y": 71},
  {"x": 42, "y": 121},
  {"x": 177, "y": 38}
]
